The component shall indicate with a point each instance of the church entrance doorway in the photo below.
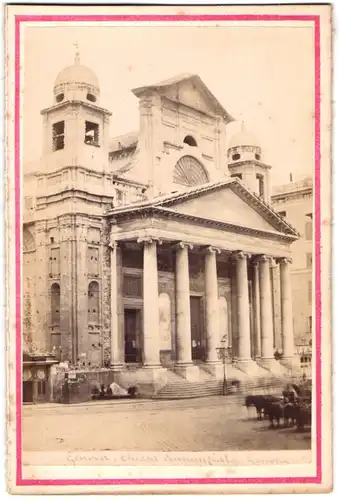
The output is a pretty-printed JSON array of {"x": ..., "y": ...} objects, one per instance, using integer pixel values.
[
  {"x": 27, "y": 391},
  {"x": 196, "y": 329},
  {"x": 133, "y": 341}
]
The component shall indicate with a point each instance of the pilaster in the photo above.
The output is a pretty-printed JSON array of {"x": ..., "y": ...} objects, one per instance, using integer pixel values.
[
  {"x": 256, "y": 311},
  {"x": 41, "y": 337},
  {"x": 287, "y": 314},
  {"x": 67, "y": 289},
  {"x": 243, "y": 307},
  {"x": 117, "y": 335}
]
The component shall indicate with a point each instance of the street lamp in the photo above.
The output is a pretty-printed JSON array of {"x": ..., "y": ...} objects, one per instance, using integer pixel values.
[{"x": 223, "y": 354}]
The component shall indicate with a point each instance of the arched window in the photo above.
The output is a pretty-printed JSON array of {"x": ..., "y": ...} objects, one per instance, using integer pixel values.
[
  {"x": 257, "y": 157},
  {"x": 93, "y": 302},
  {"x": 189, "y": 172},
  {"x": 190, "y": 141},
  {"x": 55, "y": 304}
]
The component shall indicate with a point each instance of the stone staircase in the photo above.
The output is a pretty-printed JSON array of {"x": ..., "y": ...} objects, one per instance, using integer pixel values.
[{"x": 179, "y": 388}]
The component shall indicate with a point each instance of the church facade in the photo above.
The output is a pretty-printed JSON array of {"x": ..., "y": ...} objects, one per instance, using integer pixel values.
[{"x": 147, "y": 252}]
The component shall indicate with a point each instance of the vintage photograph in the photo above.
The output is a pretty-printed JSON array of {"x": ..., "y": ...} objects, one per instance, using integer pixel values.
[{"x": 168, "y": 241}]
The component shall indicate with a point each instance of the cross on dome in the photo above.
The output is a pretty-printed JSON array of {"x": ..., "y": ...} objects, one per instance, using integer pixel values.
[
  {"x": 77, "y": 54},
  {"x": 77, "y": 75}
]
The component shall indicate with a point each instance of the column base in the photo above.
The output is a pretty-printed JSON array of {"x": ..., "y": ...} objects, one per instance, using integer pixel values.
[
  {"x": 272, "y": 365},
  {"x": 291, "y": 363},
  {"x": 216, "y": 369},
  {"x": 248, "y": 366},
  {"x": 189, "y": 372},
  {"x": 148, "y": 379},
  {"x": 117, "y": 367}
]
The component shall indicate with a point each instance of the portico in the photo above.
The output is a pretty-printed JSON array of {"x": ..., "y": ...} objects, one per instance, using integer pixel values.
[{"x": 196, "y": 275}]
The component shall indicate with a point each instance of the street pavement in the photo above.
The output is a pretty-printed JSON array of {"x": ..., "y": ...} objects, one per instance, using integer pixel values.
[{"x": 206, "y": 424}]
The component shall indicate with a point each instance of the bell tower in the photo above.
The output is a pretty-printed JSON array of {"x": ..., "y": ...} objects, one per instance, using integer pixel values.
[
  {"x": 75, "y": 127},
  {"x": 244, "y": 156}
]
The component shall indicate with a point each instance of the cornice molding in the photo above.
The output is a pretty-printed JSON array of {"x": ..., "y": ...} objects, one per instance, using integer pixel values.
[{"x": 167, "y": 213}]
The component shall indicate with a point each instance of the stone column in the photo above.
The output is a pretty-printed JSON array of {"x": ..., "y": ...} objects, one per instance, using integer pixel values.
[
  {"x": 286, "y": 311},
  {"x": 266, "y": 317},
  {"x": 117, "y": 347},
  {"x": 212, "y": 305},
  {"x": 256, "y": 310},
  {"x": 183, "y": 313},
  {"x": 184, "y": 364},
  {"x": 151, "y": 336},
  {"x": 244, "y": 332},
  {"x": 275, "y": 287}
]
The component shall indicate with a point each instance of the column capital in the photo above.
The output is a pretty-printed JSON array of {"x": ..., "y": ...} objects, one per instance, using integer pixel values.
[
  {"x": 285, "y": 260},
  {"x": 182, "y": 244},
  {"x": 113, "y": 244},
  {"x": 273, "y": 263},
  {"x": 149, "y": 240},
  {"x": 240, "y": 255},
  {"x": 212, "y": 249},
  {"x": 264, "y": 258}
]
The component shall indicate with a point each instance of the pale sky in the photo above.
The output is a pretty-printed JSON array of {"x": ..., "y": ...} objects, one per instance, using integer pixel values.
[{"x": 263, "y": 76}]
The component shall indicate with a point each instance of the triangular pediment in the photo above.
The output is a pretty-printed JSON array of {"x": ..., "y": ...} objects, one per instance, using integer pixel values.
[
  {"x": 190, "y": 93},
  {"x": 188, "y": 90},
  {"x": 225, "y": 205}
]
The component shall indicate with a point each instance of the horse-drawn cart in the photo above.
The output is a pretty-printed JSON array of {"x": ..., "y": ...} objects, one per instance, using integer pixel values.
[{"x": 293, "y": 407}]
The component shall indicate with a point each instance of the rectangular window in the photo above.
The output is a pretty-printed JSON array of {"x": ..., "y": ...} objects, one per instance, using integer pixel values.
[
  {"x": 309, "y": 230},
  {"x": 309, "y": 260},
  {"x": 282, "y": 213},
  {"x": 58, "y": 136},
  {"x": 133, "y": 286},
  {"x": 93, "y": 261},
  {"x": 310, "y": 323},
  {"x": 237, "y": 176},
  {"x": 310, "y": 292},
  {"x": 119, "y": 197},
  {"x": 55, "y": 262},
  {"x": 28, "y": 202},
  {"x": 91, "y": 133}
]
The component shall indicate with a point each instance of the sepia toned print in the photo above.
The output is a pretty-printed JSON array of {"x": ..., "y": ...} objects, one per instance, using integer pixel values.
[{"x": 168, "y": 235}]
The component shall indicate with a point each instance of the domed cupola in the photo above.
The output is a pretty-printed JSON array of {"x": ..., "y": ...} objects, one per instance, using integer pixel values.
[
  {"x": 76, "y": 82},
  {"x": 244, "y": 157},
  {"x": 243, "y": 146}
]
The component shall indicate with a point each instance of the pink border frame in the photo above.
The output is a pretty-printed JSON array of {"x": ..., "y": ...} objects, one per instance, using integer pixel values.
[{"x": 20, "y": 481}]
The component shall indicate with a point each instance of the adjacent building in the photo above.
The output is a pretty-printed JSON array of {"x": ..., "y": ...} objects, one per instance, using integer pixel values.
[{"x": 294, "y": 201}]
